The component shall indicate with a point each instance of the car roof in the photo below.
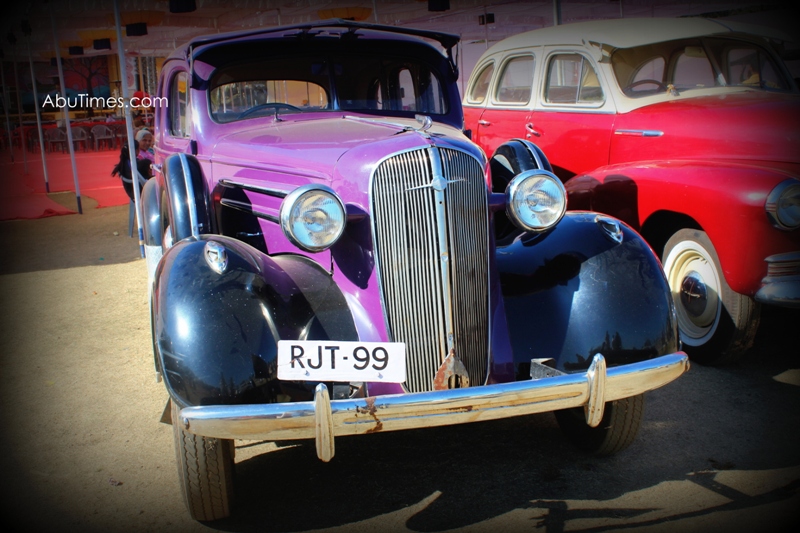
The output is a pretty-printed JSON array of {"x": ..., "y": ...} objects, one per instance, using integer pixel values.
[
  {"x": 627, "y": 33},
  {"x": 339, "y": 26}
]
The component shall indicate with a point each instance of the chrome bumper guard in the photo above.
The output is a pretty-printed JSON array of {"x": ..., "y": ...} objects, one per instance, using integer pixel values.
[
  {"x": 323, "y": 419},
  {"x": 781, "y": 286}
]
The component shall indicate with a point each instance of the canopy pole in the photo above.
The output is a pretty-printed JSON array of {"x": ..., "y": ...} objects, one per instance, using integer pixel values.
[
  {"x": 19, "y": 113},
  {"x": 38, "y": 118},
  {"x": 123, "y": 74},
  {"x": 5, "y": 108},
  {"x": 66, "y": 114}
]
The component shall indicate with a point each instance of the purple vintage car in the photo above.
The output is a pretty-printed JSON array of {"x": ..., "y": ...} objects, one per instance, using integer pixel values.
[{"x": 327, "y": 259}]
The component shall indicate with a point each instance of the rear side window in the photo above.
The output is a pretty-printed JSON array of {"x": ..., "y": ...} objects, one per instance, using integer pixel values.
[
  {"x": 480, "y": 87},
  {"x": 571, "y": 79},
  {"x": 516, "y": 81},
  {"x": 751, "y": 67},
  {"x": 693, "y": 69},
  {"x": 179, "y": 109}
]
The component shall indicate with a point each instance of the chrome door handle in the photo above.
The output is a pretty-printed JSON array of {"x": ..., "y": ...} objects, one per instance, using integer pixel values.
[
  {"x": 484, "y": 122},
  {"x": 531, "y": 130}
]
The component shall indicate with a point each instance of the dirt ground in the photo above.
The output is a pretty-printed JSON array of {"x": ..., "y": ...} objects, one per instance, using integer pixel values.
[{"x": 81, "y": 448}]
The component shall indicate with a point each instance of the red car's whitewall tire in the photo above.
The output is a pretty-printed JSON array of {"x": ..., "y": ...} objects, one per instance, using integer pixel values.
[{"x": 717, "y": 325}]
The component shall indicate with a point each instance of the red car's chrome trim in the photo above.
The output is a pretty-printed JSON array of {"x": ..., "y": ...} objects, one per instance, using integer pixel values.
[{"x": 639, "y": 133}]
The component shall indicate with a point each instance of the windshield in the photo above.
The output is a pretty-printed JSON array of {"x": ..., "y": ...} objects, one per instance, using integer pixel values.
[
  {"x": 688, "y": 64},
  {"x": 306, "y": 83}
]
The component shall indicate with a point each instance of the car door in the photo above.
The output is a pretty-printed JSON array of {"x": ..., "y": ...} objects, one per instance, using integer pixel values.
[
  {"x": 574, "y": 113},
  {"x": 510, "y": 102},
  {"x": 500, "y": 98},
  {"x": 477, "y": 97},
  {"x": 173, "y": 134}
]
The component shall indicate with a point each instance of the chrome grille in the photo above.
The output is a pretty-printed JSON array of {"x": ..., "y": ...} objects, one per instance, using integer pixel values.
[{"x": 410, "y": 269}]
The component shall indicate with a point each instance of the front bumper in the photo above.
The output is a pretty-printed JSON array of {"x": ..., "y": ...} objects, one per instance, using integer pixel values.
[
  {"x": 781, "y": 286},
  {"x": 323, "y": 419}
]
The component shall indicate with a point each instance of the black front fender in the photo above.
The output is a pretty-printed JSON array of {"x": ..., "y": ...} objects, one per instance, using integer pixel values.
[
  {"x": 216, "y": 332},
  {"x": 575, "y": 291}
]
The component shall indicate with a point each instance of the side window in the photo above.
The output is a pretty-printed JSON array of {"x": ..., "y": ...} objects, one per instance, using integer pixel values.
[
  {"x": 652, "y": 70},
  {"x": 408, "y": 96},
  {"x": 749, "y": 67},
  {"x": 571, "y": 79},
  {"x": 179, "y": 109},
  {"x": 477, "y": 93},
  {"x": 516, "y": 81},
  {"x": 648, "y": 78},
  {"x": 419, "y": 90},
  {"x": 693, "y": 69}
]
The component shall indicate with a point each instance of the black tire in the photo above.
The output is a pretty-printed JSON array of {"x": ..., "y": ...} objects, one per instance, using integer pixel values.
[
  {"x": 717, "y": 325},
  {"x": 617, "y": 430},
  {"x": 205, "y": 470}
]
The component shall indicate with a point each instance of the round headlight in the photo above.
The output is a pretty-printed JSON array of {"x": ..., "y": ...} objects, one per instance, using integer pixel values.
[
  {"x": 536, "y": 200},
  {"x": 312, "y": 217},
  {"x": 783, "y": 205}
]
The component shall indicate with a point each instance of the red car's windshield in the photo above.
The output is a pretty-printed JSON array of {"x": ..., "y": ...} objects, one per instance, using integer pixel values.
[{"x": 689, "y": 64}]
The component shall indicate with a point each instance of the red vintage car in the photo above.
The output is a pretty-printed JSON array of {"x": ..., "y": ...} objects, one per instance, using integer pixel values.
[{"x": 686, "y": 129}]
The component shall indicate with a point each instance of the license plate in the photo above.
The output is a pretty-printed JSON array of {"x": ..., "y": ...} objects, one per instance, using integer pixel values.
[{"x": 344, "y": 361}]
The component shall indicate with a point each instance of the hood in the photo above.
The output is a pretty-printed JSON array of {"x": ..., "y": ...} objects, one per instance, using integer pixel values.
[{"x": 312, "y": 145}]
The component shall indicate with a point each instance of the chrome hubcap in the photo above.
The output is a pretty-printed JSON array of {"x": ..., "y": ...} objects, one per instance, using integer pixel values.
[{"x": 694, "y": 294}]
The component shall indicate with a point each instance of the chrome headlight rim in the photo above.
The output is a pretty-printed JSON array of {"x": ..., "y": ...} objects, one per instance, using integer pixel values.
[
  {"x": 291, "y": 201},
  {"x": 513, "y": 189},
  {"x": 776, "y": 211}
]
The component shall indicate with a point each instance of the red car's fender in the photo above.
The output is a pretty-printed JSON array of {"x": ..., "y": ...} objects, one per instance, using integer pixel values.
[{"x": 725, "y": 200}]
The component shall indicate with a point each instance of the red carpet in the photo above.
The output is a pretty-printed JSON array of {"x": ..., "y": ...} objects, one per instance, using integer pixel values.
[{"x": 24, "y": 195}]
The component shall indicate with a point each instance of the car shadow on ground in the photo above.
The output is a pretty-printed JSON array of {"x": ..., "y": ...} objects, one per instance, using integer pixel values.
[{"x": 735, "y": 421}]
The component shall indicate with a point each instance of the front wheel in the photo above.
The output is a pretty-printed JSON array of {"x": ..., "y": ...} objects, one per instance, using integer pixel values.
[
  {"x": 205, "y": 470},
  {"x": 717, "y": 325},
  {"x": 617, "y": 430}
]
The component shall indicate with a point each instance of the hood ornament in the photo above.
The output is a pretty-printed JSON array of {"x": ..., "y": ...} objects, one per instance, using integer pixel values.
[{"x": 425, "y": 122}]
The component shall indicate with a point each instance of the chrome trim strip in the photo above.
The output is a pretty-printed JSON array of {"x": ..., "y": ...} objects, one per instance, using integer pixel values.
[
  {"x": 191, "y": 204},
  {"x": 440, "y": 183},
  {"x": 247, "y": 208},
  {"x": 534, "y": 153},
  {"x": 358, "y": 416},
  {"x": 640, "y": 133},
  {"x": 276, "y": 193}
]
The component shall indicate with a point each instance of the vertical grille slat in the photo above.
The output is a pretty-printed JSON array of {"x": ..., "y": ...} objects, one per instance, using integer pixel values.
[{"x": 407, "y": 249}]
